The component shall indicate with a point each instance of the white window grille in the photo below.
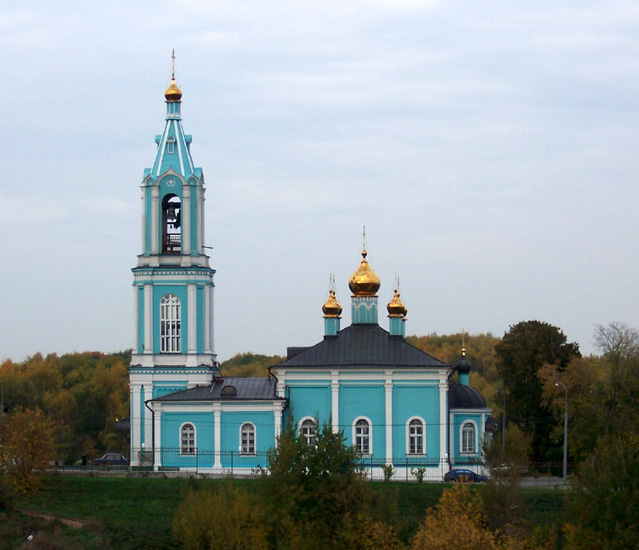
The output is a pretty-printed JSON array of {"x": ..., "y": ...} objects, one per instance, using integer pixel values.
[
  {"x": 308, "y": 429},
  {"x": 416, "y": 437},
  {"x": 170, "y": 328},
  {"x": 362, "y": 436},
  {"x": 187, "y": 439},
  {"x": 248, "y": 439},
  {"x": 468, "y": 438}
]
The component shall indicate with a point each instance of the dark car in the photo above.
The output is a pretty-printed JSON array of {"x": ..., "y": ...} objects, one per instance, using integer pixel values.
[
  {"x": 111, "y": 459},
  {"x": 467, "y": 476}
]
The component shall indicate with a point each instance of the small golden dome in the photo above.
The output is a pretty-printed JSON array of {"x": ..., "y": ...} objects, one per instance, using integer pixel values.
[
  {"x": 364, "y": 282},
  {"x": 332, "y": 308},
  {"x": 396, "y": 307},
  {"x": 173, "y": 93}
]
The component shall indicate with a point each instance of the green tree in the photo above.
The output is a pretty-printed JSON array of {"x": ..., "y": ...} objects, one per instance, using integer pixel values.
[
  {"x": 604, "y": 503},
  {"x": 27, "y": 444},
  {"x": 522, "y": 353},
  {"x": 316, "y": 497}
]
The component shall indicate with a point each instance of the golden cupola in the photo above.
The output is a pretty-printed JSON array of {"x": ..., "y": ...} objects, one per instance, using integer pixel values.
[
  {"x": 396, "y": 307},
  {"x": 173, "y": 93},
  {"x": 364, "y": 282},
  {"x": 332, "y": 307}
]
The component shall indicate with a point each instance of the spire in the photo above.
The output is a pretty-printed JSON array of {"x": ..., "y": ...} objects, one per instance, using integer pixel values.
[
  {"x": 173, "y": 94},
  {"x": 463, "y": 367},
  {"x": 332, "y": 310}
]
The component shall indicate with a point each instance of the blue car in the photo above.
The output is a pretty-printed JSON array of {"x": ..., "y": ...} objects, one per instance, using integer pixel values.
[{"x": 465, "y": 476}]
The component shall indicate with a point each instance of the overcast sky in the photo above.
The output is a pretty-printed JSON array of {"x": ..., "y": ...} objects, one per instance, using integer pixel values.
[{"x": 491, "y": 149}]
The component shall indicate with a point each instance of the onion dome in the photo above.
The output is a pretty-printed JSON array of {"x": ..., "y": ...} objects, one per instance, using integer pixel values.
[
  {"x": 173, "y": 93},
  {"x": 332, "y": 308},
  {"x": 463, "y": 367},
  {"x": 364, "y": 282},
  {"x": 396, "y": 307}
]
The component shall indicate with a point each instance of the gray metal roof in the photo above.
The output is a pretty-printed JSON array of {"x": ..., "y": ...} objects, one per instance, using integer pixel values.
[
  {"x": 246, "y": 389},
  {"x": 361, "y": 346},
  {"x": 464, "y": 397}
]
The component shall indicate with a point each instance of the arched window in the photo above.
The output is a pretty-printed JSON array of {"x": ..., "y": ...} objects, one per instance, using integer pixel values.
[
  {"x": 362, "y": 436},
  {"x": 170, "y": 145},
  {"x": 308, "y": 428},
  {"x": 247, "y": 439},
  {"x": 187, "y": 439},
  {"x": 170, "y": 329},
  {"x": 468, "y": 438},
  {"x": 415, "y": 437},
  {"x": 171, "y": 223}
]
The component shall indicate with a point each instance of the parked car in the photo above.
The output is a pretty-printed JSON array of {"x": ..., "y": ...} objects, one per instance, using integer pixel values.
[
  {"x": 111, "y": 459},
  {"x": 467, "y": 476}
]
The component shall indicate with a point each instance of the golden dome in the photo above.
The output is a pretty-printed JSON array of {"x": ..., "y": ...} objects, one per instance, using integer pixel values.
[
  {"x": 364, "y": 282},
  {"x": 396, "y": 307},
  {"x": 173, "y": 93},
  {"x": 332, "y": 308}
]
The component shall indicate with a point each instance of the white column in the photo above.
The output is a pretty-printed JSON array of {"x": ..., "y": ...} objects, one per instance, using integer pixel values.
[
  {"x": 136, "y": 313},
  {"x": 217, "y": 435},
  {"x": 388, "y": 386},
  {"x": 277, "y": 417},
  {"x": 148, "y": 318},
  {"x": 443, "y": 419},
  {"x": 136, "y": 428},
  {"x": 186, "y": 219},
  {"x": 192, "y": 319},
  {"x": 201, "y": 227},
  {"x": 207, "y": 319},
  {"x": 335, "y": 400},
  {"x": 211, "y": 318},
  {"x": 145, "y": 227},
  {"x": 155, "y": 218},
  {"x": 158, "y": 436}
]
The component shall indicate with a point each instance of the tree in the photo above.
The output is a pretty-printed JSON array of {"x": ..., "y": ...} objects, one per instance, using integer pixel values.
[
  {"x": 604, "y": 504},
  {"x": 228, "y": 518},
  {"x": 521, "y": 354},
  {"x": 27, "y": 445},
  {"x": 316, "y": 497}
]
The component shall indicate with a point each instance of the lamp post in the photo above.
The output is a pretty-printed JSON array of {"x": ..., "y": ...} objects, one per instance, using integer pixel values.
[{"x": 557, "y": 384}]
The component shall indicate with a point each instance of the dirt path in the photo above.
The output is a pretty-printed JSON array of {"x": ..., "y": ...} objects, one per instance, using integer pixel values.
[{"x": 71, "y": 522}]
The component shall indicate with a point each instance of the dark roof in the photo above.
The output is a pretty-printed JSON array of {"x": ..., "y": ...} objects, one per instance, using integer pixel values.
[
  {"x": 361, "y": 346},
  {"x": 248, "y": 389},
  {"x": 464, "y": 397}
]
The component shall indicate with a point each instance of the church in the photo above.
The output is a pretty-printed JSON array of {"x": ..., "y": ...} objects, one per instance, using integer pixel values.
[{"x": 393, "y": 402}]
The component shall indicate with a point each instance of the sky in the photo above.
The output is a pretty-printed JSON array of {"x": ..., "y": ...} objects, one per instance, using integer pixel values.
[{"x": 490, "y": 148}]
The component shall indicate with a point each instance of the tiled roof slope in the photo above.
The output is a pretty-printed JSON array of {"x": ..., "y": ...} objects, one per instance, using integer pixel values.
[
  {"x": 248, "y": 389},
  {"x": 464, "y": 397},
  {"x": 362, "y": 346}
]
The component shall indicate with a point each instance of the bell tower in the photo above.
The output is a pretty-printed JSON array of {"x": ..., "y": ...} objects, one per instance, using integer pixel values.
[{"x": 172, "y": 281}]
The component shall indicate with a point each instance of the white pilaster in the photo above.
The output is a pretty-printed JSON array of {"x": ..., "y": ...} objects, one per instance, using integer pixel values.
[
  {"x": 148, "y": 318},
  {"x": 192, "y": 320},
  {"x": 388, "y": 387},
  {"x": 186, "y": 219},
  {"x": 155, "y": 212},
  {"x": 158, "y": 437},
  {"x": 443, "y": 416},
  {"x": 135, "y": 422},
  {"x": 335, "y": 400},
  {"x": 207, "y": 319},
  {"x": 277, "y": 418},
  {"x": 217, "y": 435}
]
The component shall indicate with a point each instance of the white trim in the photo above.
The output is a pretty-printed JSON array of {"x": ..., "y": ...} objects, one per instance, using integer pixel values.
[
  {"x": 335, "y": 400},
  {"x": 186, "y": 219},
  {"x": 388, "y": 405},
  {"x": 370, "y": 435},
  {"x": 423, "y": 422},
  {"x": 475, "y": 450},
  {"x": 217, "y": 434},
  {"x": 192, "y": 323}
]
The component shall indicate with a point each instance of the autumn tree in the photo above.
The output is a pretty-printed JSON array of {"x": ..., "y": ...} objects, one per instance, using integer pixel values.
[
  {"x": 27, "y": 445},
  {"x": 522, "y": 353}
]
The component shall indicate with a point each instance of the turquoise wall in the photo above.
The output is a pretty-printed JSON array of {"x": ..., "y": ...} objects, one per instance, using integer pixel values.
[
  {"x": 410, "y": 401},
  {"x": 231, "y": 423},
  {"x": 458, "y": 420},
  {"x": 310, "y": 400},
  {"x": 364, "y": 400},
  {"x": 181, "y": 292},
  {"x": 204, "y": 438}
]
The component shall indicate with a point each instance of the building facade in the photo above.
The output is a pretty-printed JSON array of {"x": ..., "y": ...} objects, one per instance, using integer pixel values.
[{"x": 395, "y": 403}]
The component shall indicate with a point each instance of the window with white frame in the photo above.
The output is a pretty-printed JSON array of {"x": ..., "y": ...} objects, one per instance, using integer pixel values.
[
  {"x": 170, "y": 328},
  {"x": 415, "y": 437},
  {"x": 308, "y": 428},
  {"x": 187, "y": 439},
  {"x": 362, "y": 436},
  {"x": 170, "y": 145},
  {"x": 468, "y": 437},
  {"x": 247, "y": 436}
]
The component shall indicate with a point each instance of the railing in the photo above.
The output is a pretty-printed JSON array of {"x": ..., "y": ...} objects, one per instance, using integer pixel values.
[{"x": 172, "y": 243}]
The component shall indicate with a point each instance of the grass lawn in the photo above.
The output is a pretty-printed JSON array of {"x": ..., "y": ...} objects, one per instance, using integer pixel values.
[{"x": 132, "y": 513}]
